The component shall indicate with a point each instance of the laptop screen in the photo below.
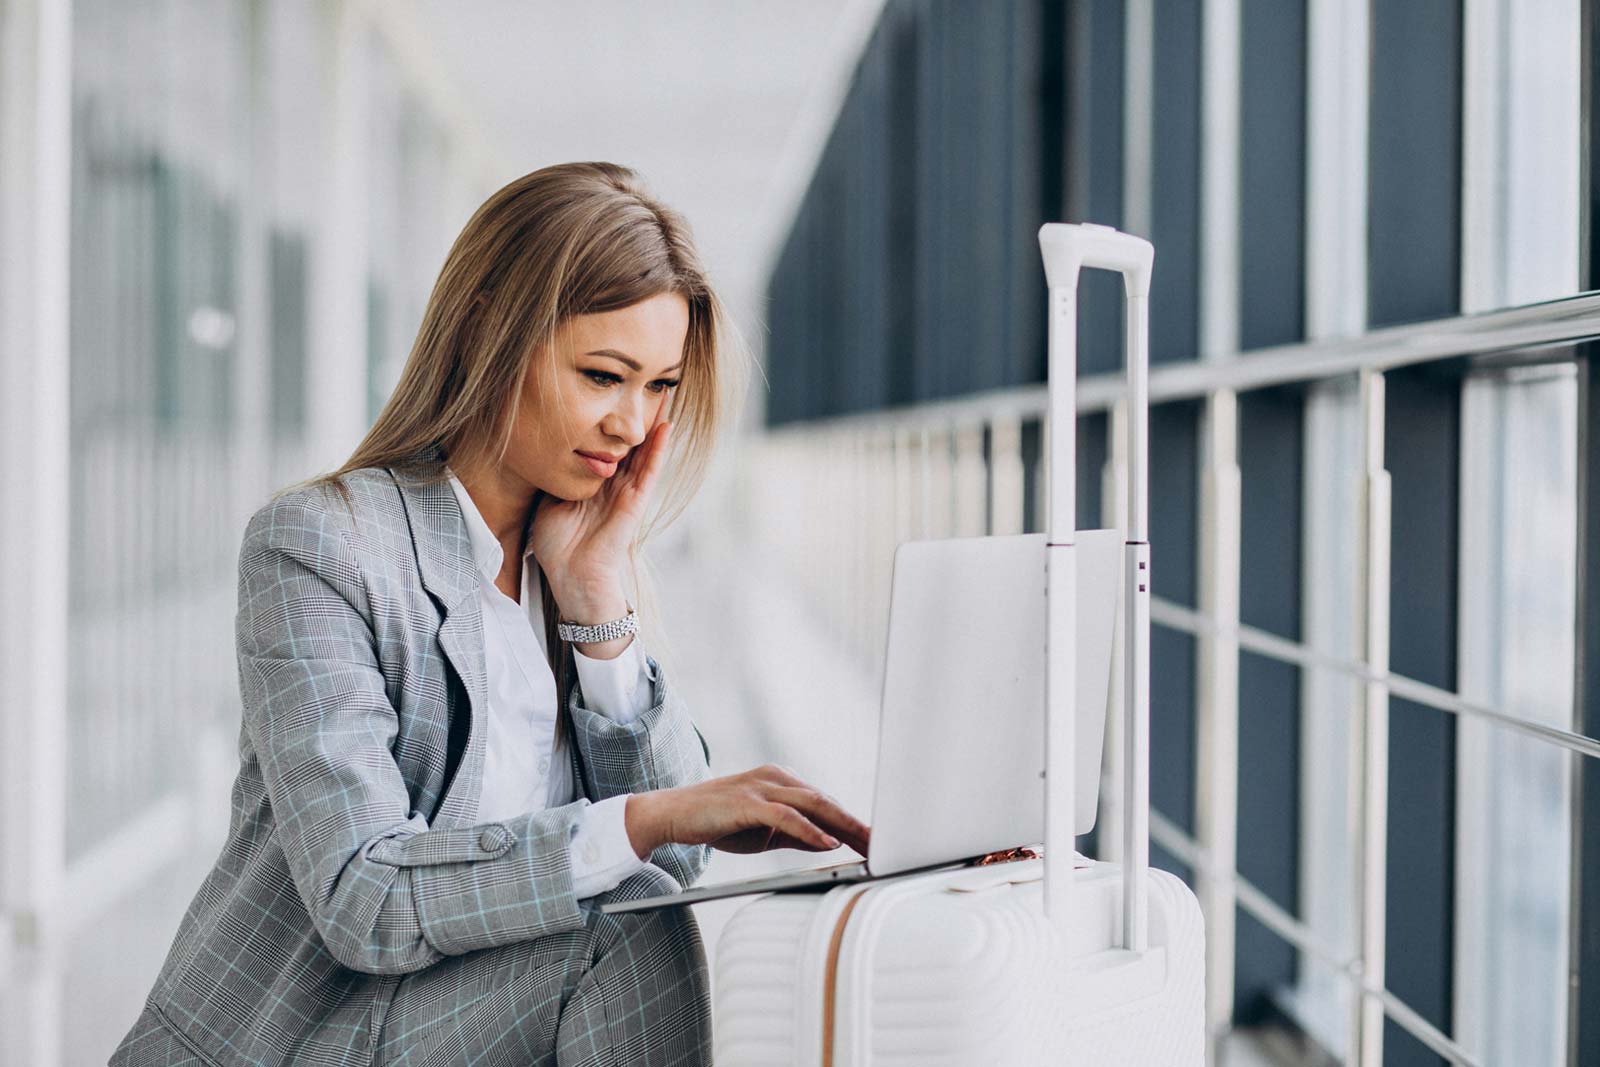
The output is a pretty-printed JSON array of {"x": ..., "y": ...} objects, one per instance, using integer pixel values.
[{"x": 962, "y": 721}]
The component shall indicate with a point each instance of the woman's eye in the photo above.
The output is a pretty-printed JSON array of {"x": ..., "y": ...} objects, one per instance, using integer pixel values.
[{"x": 658, "y": 386}]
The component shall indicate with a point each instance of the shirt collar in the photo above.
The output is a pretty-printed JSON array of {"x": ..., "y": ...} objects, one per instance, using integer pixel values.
[{"x": 486, "y": 550}]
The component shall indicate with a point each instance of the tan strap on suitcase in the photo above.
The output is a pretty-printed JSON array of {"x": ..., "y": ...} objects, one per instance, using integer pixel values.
[
  {"x": 830, "y": 973},
  {"x": 831, "y": 969}
]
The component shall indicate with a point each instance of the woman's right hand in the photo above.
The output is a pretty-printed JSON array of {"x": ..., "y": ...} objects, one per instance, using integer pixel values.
[{"x": 764, "y": 808}]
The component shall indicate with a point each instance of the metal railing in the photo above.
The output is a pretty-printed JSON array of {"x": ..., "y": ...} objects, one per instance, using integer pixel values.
[{"x": 923, "y": 471}]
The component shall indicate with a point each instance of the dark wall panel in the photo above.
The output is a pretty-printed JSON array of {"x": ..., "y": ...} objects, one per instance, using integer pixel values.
[
  {"x": 1272, "y": 162},
  {"x": 779, "y": 364},
  {"x": 1094, "y": 168},
  {"x": 1271, "y": 458},
  {"x": 1414, "y": 161},
  {"x": 897, "y": 39},
  {"x": 1092, "y": 450},
  {"x": 912, "y": 271},
  {"x": 1174, "y": 512},
  {"x": 1175, "y": 183},
  {"x": 1038, "y": 135},
  {"x": 863, "y": 123},
  {"x": 1421, "y": 448}
]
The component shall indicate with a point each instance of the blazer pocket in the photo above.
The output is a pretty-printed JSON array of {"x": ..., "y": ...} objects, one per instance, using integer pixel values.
[
  {"x": 155, "y": 1039},
  {"x": 487, "y": 842}
]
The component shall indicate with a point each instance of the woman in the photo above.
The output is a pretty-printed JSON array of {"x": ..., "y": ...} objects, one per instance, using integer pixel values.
[{"x": 420, "y": 840}]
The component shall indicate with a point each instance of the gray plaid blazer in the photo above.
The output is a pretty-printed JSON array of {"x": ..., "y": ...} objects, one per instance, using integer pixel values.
[{"x": 353, "y": 854}]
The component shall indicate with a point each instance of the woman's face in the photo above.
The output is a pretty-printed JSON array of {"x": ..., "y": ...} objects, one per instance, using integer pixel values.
[{"x": 617, "y": 370}]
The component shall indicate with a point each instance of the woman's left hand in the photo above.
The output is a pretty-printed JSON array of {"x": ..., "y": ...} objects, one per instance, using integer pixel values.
[{"x": 582, "y": 544}]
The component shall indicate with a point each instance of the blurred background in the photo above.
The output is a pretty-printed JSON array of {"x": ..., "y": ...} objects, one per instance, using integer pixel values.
[{"x": 1373, "y": 412}]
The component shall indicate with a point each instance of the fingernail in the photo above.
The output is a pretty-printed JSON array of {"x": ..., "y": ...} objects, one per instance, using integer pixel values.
[{"x": 833, "y": 842}]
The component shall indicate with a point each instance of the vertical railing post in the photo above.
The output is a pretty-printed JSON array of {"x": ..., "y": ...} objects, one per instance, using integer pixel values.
[
  {"x": 969, "y": 480},
  {"x": 925, "y": 498},
  {"x": 1372, "y": 732},
  {"x": 1217, "y": 776},
  {"x": 1005, "y": 475}
]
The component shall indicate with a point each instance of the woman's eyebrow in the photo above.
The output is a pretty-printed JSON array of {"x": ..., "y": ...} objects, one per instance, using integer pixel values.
[{"x": 629, "y": 360}]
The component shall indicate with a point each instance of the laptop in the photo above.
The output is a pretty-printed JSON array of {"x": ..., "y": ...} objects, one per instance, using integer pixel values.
[{"x": 960, "y": 769}]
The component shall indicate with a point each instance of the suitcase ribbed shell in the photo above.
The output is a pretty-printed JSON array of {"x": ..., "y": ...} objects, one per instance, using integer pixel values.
[{"x": 962, "y": 968}]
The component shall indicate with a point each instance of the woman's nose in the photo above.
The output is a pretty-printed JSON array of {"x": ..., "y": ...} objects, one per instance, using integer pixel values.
[{"x": 630, "y": 419}]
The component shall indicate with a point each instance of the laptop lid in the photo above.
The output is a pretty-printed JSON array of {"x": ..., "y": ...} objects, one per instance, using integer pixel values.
[{"x": 961, "y": 727}]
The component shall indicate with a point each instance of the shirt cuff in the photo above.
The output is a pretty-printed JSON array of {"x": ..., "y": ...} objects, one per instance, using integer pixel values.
[
  {"x": 602, "y": 856},
  {"x": 619, "y": 687}
]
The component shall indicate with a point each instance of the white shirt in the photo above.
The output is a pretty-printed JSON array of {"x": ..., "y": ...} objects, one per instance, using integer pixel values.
[{"x": 523, "y": 769}]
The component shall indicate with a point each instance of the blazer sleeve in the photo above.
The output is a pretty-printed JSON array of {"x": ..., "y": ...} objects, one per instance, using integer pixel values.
[
  {"x": 660, "y": 749},
  {"x": 387, "y": 894}
]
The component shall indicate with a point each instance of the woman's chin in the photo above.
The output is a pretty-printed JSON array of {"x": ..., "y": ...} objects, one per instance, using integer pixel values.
[{"x": 576, "y": 491}]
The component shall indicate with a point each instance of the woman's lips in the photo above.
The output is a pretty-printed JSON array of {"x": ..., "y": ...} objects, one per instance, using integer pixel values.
[{"x": 599, "y": 466}]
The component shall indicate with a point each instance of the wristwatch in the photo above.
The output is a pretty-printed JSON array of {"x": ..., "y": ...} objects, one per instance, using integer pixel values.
[{"x": 605, "y": 631}]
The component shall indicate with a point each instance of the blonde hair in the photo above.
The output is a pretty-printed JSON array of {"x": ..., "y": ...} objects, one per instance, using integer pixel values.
[{"x": 566, "y": 240}]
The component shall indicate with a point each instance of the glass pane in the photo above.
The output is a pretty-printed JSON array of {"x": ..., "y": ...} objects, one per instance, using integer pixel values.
[
  {"x": 1518, "y": 582},
  {"x": 155, "y": 237}
]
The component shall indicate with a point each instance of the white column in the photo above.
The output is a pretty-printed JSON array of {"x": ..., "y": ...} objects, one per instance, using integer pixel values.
[
  {"x": 1217, "y": 664},
  {"x": 1336, "y": 168},
  {"x": 35, "y": 232},
  {"x": 1337, "y": 94},
  {"x": 336, "y": 364},
  {"x": 1219, "y": 179},
  {"x": 252, "y": 399},
  {"x": 1138, "y": 74},
  {"x": 1217, "y": 687},
  {"x": 1521, "y": 133}
]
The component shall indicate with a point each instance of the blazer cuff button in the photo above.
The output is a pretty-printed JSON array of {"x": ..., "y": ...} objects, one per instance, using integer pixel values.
[{"x": 494, "y": 838}]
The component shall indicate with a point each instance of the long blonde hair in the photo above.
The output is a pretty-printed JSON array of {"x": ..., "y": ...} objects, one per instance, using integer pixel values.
[{"x": 566, "y": 240}]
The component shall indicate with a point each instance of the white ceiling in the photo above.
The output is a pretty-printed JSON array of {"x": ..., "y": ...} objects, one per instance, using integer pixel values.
[{"x": 722, "y": 105}]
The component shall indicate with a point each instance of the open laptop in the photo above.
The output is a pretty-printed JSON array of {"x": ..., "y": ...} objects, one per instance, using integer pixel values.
[{"x": 960, "y": 769}]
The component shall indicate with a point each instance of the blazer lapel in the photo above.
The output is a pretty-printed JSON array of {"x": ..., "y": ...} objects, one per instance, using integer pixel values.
[{"x": 444, "y": 557}]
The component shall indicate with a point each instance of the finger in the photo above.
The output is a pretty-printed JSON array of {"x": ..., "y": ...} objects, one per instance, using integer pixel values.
[
  {"x": 635, "y": 461},
  {"x": 779, "y": 774},
  {"x": 827, "y": 813},
  {"x": 823, "y": 808},
  {"x": 655, "y": 460},
  {"x": 783, "y": 776},
  {"x": 630, "y": 487},
  {"x": 797, "y": 826},
  {"x": 758, "y": 838}
]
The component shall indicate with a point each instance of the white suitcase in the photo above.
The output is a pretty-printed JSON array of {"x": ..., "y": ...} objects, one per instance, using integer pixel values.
[{"x": 1025, "y": 961}]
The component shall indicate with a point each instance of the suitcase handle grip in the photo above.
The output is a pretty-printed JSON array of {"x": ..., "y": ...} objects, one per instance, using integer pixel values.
[{"x": 1067, "y": 249}]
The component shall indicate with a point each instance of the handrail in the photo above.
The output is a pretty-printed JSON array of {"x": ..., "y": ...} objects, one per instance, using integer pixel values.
[
  {"x": 1178, "y": 617},
  {"x": 1554, "y": 322}
]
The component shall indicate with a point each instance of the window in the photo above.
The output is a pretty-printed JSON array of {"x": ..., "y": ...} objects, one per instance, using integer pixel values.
[{"x": 1514, "y": 793}]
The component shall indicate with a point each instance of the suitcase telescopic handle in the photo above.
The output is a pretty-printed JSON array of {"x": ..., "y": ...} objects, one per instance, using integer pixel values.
[{"x": 1067, "y": 249}]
